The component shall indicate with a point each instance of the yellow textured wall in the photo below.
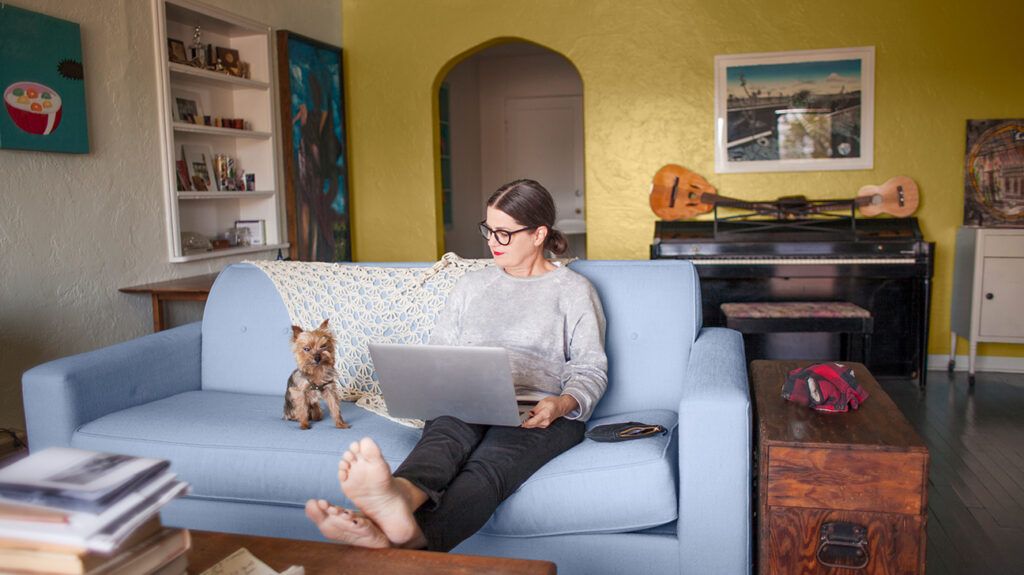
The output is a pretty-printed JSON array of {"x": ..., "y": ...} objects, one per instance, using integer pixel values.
[{"x": 647, "y": 69}]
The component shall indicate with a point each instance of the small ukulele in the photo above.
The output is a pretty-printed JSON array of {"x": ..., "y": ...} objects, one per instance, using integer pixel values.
[
  {"x": 678, "y": 193},
  {"x": 898, "y": 197}
]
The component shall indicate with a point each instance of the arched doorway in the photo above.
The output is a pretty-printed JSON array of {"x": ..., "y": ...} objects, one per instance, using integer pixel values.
[{"x": 508, "y": 111}]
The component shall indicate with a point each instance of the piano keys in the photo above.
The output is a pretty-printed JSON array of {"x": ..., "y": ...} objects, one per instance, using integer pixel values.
[{"x": 883, "y": 265}]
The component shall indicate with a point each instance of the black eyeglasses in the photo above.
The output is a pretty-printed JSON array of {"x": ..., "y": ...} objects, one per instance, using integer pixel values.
[{"x": 503, "y": 237}]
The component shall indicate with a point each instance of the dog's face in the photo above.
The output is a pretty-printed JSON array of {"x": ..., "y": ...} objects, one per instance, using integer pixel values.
[{"x": 313, "y": 348}]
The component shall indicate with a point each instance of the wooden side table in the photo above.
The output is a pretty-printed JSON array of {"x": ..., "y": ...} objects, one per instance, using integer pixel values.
[
  {"x": 837, "y": 488},
  {"x": 195, "y": 288}
]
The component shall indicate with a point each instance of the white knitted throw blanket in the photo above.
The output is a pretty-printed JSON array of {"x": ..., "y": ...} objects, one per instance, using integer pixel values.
[{"x": 367, "y": 304}]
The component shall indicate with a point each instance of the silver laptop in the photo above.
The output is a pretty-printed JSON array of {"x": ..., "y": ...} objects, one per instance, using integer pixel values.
[{"x": 473, "y": 384}]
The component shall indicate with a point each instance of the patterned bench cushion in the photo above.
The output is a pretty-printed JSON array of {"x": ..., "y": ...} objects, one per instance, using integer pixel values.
[{"x": 791, "y": 310}]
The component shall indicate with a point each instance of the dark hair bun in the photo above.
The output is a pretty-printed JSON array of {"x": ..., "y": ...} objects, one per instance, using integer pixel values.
[{"x": 556, "y": 242}]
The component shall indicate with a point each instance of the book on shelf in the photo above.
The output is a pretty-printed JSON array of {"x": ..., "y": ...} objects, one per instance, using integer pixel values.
[{"x": 69, "y": 499}]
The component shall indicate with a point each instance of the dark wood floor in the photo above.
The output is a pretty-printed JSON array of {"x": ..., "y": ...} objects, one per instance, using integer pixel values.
[{"x": 976, "y": 477}]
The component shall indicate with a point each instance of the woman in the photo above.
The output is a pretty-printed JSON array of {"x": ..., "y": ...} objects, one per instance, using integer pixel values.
[{"x": 550, "y": 320}]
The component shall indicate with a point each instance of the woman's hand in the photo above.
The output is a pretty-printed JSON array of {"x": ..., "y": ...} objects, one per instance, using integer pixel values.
[{"x": 549, "y": 409}]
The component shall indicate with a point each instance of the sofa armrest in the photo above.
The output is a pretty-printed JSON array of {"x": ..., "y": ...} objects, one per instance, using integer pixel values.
[
  {"x": 64, "y": 394},
  {"x": 715, "y": 482}
]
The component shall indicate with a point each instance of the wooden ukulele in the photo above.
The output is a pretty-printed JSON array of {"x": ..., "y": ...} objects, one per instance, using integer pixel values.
[{"x": 678, "y": 193}]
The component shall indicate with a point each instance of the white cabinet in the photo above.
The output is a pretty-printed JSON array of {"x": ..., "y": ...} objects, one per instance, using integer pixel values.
[
  {"x": 252, "y": 146},
  {"x": 988, "y": 289}
]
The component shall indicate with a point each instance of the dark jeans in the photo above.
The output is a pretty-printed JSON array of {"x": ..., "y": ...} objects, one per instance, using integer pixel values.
[{"x": 467, "y": 470}]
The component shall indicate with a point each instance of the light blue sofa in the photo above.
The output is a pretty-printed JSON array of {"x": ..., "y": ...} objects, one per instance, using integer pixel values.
[{"x": 208, "y": 397}]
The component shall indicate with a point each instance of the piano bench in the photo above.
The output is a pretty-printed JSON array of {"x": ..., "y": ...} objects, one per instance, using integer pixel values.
[{"x": 787, "y": 317}]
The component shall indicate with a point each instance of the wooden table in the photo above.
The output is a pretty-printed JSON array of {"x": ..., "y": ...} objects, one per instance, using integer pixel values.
[
  {"x": 195, "y": 288},
  {"x": 866, "y": 468},
  {"x": 208, "y": 548}
]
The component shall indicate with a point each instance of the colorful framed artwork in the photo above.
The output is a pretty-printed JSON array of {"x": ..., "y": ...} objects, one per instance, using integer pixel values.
[
  {"x": 795, "y": 111},
  {"x": 314, "y": 138},
  {"x": 42, "y": 81},
  {"x": 199, "y": 161},
  {"x": 994, "y": 174}
]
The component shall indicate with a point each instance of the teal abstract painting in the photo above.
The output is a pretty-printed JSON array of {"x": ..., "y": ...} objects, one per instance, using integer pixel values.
[
  {"x": 42, "y": 83},
  {"x": 317, "y": 192}
]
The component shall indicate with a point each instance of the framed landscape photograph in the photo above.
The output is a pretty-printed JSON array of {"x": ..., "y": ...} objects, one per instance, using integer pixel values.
[
  {"x": 315, "y": 158},
  {"x": 795, "y": 111}
]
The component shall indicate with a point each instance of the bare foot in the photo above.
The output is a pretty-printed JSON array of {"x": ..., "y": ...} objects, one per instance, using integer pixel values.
[
  {"x": 341, "y": 525},
  {"x": 366, "y": 479}
]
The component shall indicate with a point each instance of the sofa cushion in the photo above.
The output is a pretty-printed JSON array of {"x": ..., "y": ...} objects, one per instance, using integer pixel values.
[
  {"x": 236, "y": 447},
  {"x": 598, "y": 487}
]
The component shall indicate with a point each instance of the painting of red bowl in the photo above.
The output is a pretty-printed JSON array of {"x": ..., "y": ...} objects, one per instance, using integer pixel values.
[{"x": 35, "y": 108}]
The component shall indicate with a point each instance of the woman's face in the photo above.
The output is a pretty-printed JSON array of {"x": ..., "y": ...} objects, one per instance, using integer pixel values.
[{"x": 525, "y": 247}]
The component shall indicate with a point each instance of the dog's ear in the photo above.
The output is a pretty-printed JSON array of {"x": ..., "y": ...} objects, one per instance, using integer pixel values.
[
  {"x": 324, "y": 324},
  {"x": 296, "y": 330}
]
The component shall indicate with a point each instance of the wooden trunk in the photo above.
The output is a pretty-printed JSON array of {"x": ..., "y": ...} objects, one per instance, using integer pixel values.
[{"x": 865, "y": 469}]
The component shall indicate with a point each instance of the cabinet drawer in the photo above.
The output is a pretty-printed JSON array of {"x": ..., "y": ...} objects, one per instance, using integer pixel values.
[
  {"x": 1004, "y": 246},
  {"x": 850, "y": 479},
  {"x": 896, "y": 543}
]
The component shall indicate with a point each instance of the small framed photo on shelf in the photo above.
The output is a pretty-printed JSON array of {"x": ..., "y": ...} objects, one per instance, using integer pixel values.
[
  {"x": 228, "y": 58},
  {"x": 199, "y": 160},
  {"x": 186, "y": 106},
  {"x": 257, "y": 231},
  {"x": 176, "y": 51}
]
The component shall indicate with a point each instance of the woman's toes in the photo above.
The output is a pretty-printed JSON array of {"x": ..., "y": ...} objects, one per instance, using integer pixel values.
[{"x": 314, "y": 512}]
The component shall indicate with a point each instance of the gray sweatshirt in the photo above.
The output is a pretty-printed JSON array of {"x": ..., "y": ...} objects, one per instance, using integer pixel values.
[{"x": 552, "y": 326}]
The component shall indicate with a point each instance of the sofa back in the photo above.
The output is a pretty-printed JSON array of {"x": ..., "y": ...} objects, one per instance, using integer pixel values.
[{"x": 652, "y": 310}]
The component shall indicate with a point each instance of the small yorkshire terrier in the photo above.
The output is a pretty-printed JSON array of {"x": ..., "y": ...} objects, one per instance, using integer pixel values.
[{"x": 315, "y": 379}]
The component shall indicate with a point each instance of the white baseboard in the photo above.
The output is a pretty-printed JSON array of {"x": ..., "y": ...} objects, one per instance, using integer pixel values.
[{"x": 981, "y": 363}]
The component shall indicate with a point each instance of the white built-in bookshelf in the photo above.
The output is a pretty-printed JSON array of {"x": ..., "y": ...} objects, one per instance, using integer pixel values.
[{"x": 252, "y": 99}]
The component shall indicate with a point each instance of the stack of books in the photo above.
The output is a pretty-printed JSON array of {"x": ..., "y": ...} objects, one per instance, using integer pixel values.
[{"x": 82, "y": 512}]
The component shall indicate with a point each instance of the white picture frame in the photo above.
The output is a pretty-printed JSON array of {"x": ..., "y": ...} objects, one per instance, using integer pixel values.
[
  {"x": 257, "y": 231},
  {"x": 795, "y": 111},
  {"x": 199, "y": 161},
  {"x": 186, "y": 106}
]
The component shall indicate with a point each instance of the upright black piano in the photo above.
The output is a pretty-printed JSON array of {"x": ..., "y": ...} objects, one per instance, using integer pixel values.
[{"x": 883, "y": 265}]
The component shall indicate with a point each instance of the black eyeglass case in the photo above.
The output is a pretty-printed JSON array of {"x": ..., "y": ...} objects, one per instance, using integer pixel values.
[{"x": 624, "y": 431}]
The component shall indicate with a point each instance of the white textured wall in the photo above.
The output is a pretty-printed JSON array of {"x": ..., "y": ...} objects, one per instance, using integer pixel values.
[{"x": 74, "y": 228}]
